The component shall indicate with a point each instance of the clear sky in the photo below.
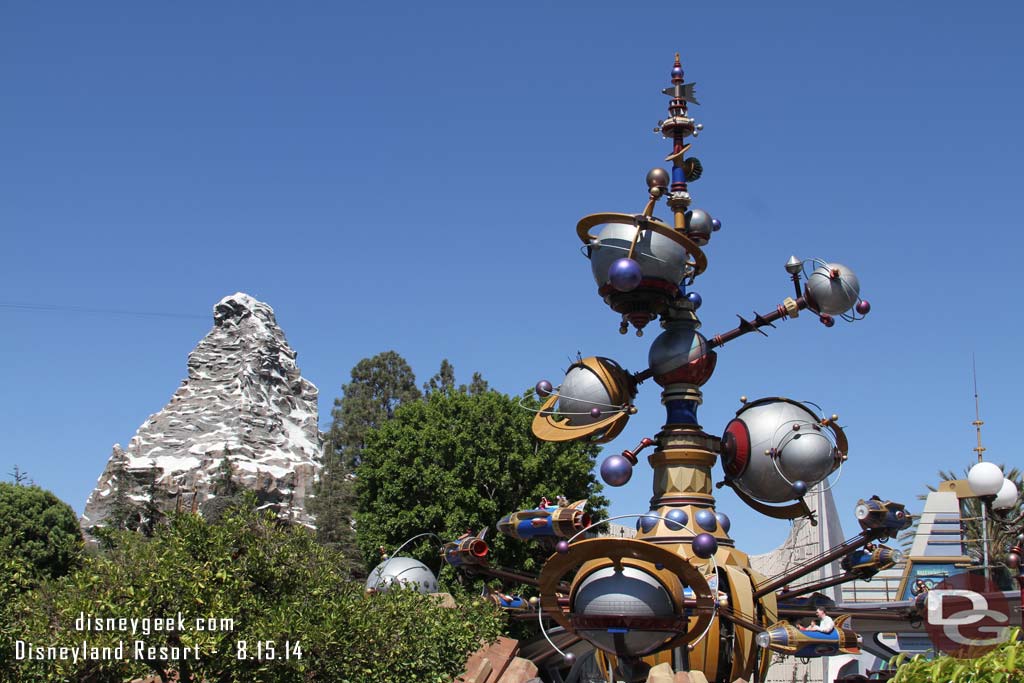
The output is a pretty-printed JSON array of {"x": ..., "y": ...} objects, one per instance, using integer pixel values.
[{"x": 408, "y": 176}]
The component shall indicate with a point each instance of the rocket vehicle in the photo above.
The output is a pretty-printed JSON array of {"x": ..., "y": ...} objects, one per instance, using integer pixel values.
[
  {"x": 868, "y": 561},
  {"x": 786, "y": 639},
  {"x": 562, "y": 520},
  {"x": 467, "y": 549},
  {"x": 876, "y": 514}
]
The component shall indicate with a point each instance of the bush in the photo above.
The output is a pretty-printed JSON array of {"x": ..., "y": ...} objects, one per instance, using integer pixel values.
[
  {"x": 294, "y": 615},
  {"x": 1004, "y": 664},
  {"x": 38, "y": 527}
]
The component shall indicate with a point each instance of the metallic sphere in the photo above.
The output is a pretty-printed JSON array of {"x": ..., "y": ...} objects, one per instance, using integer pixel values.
[
  {"x": 704, "y": 546},
  {"x": 1013, "y": 561},
  {"x": 616, "y": 470},
  {"x": 863, "y": 307},
  {"x": 794, "y": 265},
  {"x": 562, "y": 547},
  {"x": 763, "y": 456},
  {"x": 716, "y": 224},
  {"x": 657, "y": 177},
  {"x": 569, "y": 659},
  {"x": 695, "y": 299},
  {"x": 723, "y": 521},
  {"x": 615, "y": 592},
  {"x": 404, "y": 572},
  {"x": 660, "y": 257},
  {"x": 832, "y": 289},
  {"x": 675, "y": 348},
  {"x": 581, "y": 391},
  {"x": 595, "y": 413},
  {"x": 624, "y": 274},
  {"x": 677, "y": 519},
  {"x": 799, "y": 489},
  {"x": 827, "y": 320},
  {"x": 648, "y": 521},
  {"x": 543, "y": 388},
  {"x": 699, "y": 226},
  {"x": 706, "y": 519}
]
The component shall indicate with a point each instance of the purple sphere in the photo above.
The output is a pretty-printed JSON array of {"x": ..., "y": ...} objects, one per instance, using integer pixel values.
[
  {"x": 716, "y": 224},
  {"x": 704, "y": 546},
  {"x": 827, "y": 320},
  {"x": 723, "y": 521},
  {"x": 562, "y": 547},
  {"x": 569, "y": 659},
  {"x": 694, "y": 298},
  {"x": 595, "y": 413},
  {"x": 648, "y": 521},
  {"x": 624, "y": 274},
  {"x": 863, "y": 307},
  {"x": 706, "y": 519},
  {"x": 1013, "y": 560},
  {"x": 543, "y": 388},
  {"x": 677, "y": 519},
  {"x": 616, "y": 470},
  {"x": 799, "y": 489}
]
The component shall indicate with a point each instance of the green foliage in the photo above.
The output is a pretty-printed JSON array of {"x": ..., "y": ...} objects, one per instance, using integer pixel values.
[
  {"x": 455, "y": 462},
  {"x": 273, "y": 581},
  {"x": 40, "y": 529},
  {"x": 444, "y": 380},
  {"x": 1004, "y": 664}
]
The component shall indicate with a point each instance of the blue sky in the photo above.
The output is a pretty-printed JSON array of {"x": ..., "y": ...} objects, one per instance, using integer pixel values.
[{"x": 409, "y": 177}]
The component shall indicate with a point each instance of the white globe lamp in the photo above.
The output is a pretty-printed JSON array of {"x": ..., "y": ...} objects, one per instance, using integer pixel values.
[
  {"x": 985, "y": 479},
  {"x": 1006, "y": 498}
]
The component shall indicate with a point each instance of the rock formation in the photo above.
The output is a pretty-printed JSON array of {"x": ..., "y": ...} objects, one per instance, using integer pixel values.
[{"x": 244, "y": 402}]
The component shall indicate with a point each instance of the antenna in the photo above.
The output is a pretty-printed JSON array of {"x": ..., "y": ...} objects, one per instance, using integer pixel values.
[{"x": 979, "y": 449}]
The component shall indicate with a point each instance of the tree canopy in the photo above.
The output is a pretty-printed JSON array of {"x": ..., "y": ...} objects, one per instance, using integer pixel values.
[
  {"x": 41, "y": 529},
  {"x": 459, "y": 461}
]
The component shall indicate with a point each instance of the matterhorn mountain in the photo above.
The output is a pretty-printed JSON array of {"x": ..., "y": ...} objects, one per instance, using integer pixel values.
[{"x": 244, "y": 406}]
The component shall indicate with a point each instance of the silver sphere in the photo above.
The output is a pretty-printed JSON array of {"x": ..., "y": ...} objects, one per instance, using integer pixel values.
[
  {"x": 833, "y": 288},
  {"x": 582, "y": 391},
  {"x": 659, "y": 257},
  {"x": 404, "y": 572},
  {"x": 627, "y": 592},
  {"x": 794, "y": 265},
  {"x": 775, "y": 456},
  {"x": 699, "y": 226},
  {"x": 657, "y": 177},
  {"x": 674, "y": 348}
]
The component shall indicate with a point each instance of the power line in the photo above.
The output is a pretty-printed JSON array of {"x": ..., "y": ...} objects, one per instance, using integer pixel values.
[{"x": 57, "y": 308}]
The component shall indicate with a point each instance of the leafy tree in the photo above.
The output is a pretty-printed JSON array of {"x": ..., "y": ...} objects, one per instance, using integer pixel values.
[
  {"x": 477, "y": 385},
  {"x": 227, "y": 492},
  {"x": 455, "y": 462},
  {"x": 41, "y": 529},
  {"x": 273, "y": 582}
]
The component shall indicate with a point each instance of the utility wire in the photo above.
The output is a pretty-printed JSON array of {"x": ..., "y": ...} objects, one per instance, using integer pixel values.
[{"x": 55, "y": 308}]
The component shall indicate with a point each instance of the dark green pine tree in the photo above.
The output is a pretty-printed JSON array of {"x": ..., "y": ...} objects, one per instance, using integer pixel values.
[
  {"x": 478, "y": 385},
  {"x": 378, "y": 387},
  {"x": 123, "y": 513},
  {"x": 443, "y": 381}
]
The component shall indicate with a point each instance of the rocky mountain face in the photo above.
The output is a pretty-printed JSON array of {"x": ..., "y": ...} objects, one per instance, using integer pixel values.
[{"x": 244, "y": 412}]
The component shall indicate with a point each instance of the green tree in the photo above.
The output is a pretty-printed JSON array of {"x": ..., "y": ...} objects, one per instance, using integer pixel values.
[
  {"x": 40, "y": 528},
  {"x": 455, "y": 462},
  {"x": 477, "y": 385},
  {"x": 274, "y": 583},
  {"x": 444, "y": 380},
  {"x": 378, "y": 387}
]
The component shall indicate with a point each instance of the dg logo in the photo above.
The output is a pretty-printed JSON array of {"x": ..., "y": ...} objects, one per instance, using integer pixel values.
[{"x": 966, "y": 616}]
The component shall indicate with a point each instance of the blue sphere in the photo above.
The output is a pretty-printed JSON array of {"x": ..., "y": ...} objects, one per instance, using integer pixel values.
[
  {"x": 695, "y": 299},
  {"x": 716, "y": 224},
  {"x": 799, "y": 489},
  {"x": 723, "y": 521},
  {"x": 706, "y": 519},
  {"x": 704, "y": 546},
  {"x": 648, "y": 521},
  {"x": 616, "y": 470},
  {"x": 677, "y": 519},
  {"x": 624, "y": 274}
]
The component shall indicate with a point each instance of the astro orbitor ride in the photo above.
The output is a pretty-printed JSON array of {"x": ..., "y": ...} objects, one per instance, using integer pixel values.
[{"x": 681, "y": 592}]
